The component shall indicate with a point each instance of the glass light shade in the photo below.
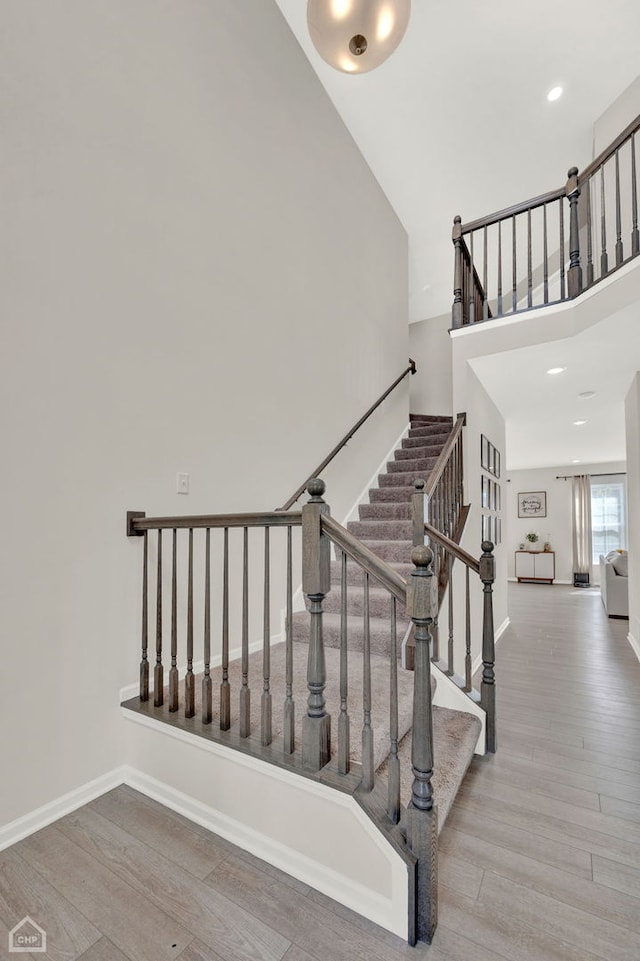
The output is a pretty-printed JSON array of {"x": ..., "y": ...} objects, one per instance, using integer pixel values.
[{"x": 357, "y": 35}]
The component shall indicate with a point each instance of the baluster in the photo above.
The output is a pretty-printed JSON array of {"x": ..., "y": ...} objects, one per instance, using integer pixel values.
[
  {"x": 456, "y": 236},
  {"x": 589, "y": 238},
  {"x": 344, "y": 746},
  {"x": 225, "y": 688},
  {"x": 158, "y": 672},
  {"x": 265, "y": 703},
  {"x": 207, "y": 687},
  {"x": 367, "y": 730},
  {"x": 422, "y": 817},
  {"x": 173, "y": 673},
  {"x": 189, "y": 680},
  {"x": 574, "y": 277},
  {"x": 393, "y": 804},
  {"x": 499, "y": 268},
  {"x": 418, "y": 511},
  {"x": 485, "y": 272},
  {"x": 450, "y": 671},
  {"x": 316, "y": 732},
  {"x": 635, "y": 234},
  {"x": 529, "y": 267},
  {"x": 245, "y": 693},
  {"x": 545, "y": 255},
  {"x": 514, "y": 272},
  {"x": 562, "y": 277},
  {"x": 619, "y": 244},
  {"x": 472, "y": 283},
  {"x": 144, "y": 663},
  {"x": 604, "y": 259},
  {"x": 289, "y": 705},
  {"x": 467, "y": 657},
  {"x": 488, "y": 686}
]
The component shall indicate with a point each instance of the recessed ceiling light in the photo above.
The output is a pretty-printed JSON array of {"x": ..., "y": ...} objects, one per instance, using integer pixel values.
[
  {"x": 576, "y": 461},
  {"x": 554, "y": 94},
  {"x": 579, "y": 423},
  {"x": 587, "y": 394},
  {"x": 557, "y": 370}
]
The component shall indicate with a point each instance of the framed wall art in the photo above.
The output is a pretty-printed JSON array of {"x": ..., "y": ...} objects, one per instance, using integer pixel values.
[{"x": 532, "y": 504}]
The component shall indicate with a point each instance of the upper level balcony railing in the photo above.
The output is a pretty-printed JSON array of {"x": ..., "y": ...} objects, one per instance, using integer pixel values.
[{"x": 553, "y": 247}]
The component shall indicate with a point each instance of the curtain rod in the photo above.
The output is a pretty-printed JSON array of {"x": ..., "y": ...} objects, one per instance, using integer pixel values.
[{"x": 613, "y": 473}]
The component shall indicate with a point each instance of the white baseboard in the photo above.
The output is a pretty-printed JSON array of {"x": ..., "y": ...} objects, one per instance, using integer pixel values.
[
  {"x": 36, "y": 820},
  {"x": 634, "y": 644}
]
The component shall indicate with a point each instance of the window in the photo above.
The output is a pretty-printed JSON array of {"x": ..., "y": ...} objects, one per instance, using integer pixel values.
[{"x": 608, "y": 513}]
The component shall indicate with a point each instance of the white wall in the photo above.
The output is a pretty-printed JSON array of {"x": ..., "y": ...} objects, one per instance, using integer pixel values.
[
  {"x": 186, "y": 287},
  {"x": 632, "y": 416},
  {"x": 557, "y": 525},
  {"x": 616, "y": 117},
  {"x": 430, "y": 347}
]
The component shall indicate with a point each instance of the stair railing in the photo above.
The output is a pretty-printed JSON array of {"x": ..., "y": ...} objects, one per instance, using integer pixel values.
[
  {"x": 205, "y": 602},
  {"x": 411, "y": 369},
  {"x": 524, "y": 256}
]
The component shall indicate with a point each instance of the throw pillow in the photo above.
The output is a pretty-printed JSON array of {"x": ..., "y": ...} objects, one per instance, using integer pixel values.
[{"x": 621, "y": 564}]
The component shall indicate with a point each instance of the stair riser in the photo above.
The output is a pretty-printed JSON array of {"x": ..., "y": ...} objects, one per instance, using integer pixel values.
[
  {"x": 381, "y": 530},
  {"x": 355, "y": 574},
  {"x": 391, "y": 495},
  {"x": 418, "y": 464},
  {"x": 419, "y": 443},
  {"x": 418, "y": 453},
  {"x": 430, "y": 419},
  {"x": 379, "y": 638},
  {"x": 398, "y": 551},
  {"x": 402, "y": 479},
  {"x": 379, "y": 603},
  {"x": 385, "y": 512}
]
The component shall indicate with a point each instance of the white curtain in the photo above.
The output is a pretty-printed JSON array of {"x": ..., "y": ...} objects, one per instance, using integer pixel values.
[{"x": 582, "y": 524}]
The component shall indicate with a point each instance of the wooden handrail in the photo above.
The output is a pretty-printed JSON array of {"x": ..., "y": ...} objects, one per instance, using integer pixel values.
[
  {"x": 369, "y": 561},
  {"x": 138, "y": 523},
  {"x": 609, "y": 151},
  {"x": 512, "y": 211},
  {"x": 443, "y": 457},
  {"x": 411, "y": 369},
  {"x": 453, "y": 548}
]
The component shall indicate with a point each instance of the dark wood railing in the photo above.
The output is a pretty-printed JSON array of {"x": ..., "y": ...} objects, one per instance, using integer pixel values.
[
  {"x": 312, "y": 754},
  {"x": 553, "y": 247},
  {"x": 411, "y": 369}
]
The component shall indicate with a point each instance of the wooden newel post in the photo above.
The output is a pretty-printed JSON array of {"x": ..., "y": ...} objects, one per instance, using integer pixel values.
[
  {"x": 456, "y": 236},
  {"x": 574, "y": 276},
  {"x": 418, "y": 513},
  {"x": 488, "y": 686},
  {"x": 422, "y": 816},
  {"x": 316, "y": 729}
]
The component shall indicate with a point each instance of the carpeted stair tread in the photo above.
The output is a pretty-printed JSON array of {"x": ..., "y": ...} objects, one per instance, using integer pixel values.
[
  {"x": 420, "y": 465},
  {"x": 417, "y": 451},
  {"x": 402, "y": 478},
  {"x": 390, "y": 550},
  {"x": 393, "y": 511},
  {"x": 432, "y": 419},
  {"x": 391, "y": 495},
  {"x": 379, "y": 632},
  {"x": 391, "y": 530},
  {"x": 379, "y": 602},
  {"x": 455, "y": 734},
  {"x": 425, "y": 434},
  {"x": 355, "y": 574}
]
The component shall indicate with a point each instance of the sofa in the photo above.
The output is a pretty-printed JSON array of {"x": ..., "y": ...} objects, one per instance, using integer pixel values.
[{"x": 614, "y": 583}]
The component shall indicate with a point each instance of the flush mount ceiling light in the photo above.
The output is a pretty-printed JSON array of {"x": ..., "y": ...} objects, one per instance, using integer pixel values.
[
  {"x": 357, "y": 35},
  {"x": 579, "y": 423},
  {"x": 557, "y": 370},
  {"x": 587, "y": 394},
  {"x": 554, "y": 94}
]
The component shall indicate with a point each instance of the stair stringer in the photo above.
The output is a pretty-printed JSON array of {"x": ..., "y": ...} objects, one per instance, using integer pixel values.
[
  {"x": 313, "y": 832},
  {"x": 449, "y": 694}
]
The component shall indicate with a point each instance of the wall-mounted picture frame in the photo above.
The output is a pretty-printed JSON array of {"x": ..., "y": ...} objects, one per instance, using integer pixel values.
[
  {"x": 497, "y": 497},
  {"x": 484, "y": 452},
  {"x": 485, "y": 499},
  {"x": 532, "y": 504},
  {"x": 496, "y": 462},
  {"x": 486, "y": 527}
]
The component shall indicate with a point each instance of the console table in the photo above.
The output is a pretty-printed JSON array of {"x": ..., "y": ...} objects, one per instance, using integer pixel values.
[{"x": 536, "y": 566}]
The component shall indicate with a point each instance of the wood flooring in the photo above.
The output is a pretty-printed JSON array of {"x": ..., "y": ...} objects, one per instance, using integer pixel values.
[{"x": 539, "y": 859}]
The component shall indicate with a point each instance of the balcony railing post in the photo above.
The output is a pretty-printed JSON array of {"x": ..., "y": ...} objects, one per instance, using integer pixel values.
[
  {"x": 574, "y": 276},
  {"x": 456, "y": 236},
  {"x": 488, "y": 686},
  {"x": 316, "y": 730},
  {"x": 422, "y": 817}
]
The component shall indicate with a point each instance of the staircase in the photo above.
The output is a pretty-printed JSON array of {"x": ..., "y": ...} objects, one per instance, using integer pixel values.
[{"x": 385, "y": 527}]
